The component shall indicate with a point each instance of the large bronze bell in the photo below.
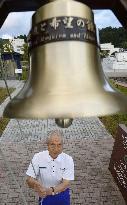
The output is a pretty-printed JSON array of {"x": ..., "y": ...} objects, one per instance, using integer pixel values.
[{"x": 66, "y": 78}]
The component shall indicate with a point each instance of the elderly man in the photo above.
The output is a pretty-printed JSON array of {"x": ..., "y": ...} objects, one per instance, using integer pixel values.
[{"x": 50, "y": 173}]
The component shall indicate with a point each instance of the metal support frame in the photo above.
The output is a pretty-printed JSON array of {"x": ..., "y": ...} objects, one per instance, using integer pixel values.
[{"x": 119, "y": 7}]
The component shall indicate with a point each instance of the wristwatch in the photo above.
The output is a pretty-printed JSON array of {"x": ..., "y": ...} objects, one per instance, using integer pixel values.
[{"x": 53, "y": 193}]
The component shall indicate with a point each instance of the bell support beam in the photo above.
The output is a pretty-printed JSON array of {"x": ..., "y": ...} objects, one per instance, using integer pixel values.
[
  {"x": 3, "y": 14},
  {"x": 7, "y": 6},
  {"x": 121, "y": 13}
]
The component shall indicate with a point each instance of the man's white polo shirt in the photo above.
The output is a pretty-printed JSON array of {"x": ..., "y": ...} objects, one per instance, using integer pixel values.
[{"x": 49, "y": 171}]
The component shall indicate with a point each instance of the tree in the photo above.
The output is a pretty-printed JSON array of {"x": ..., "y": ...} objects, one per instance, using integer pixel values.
[
  {"x": 25, "y": 56},
  {"x": 116, "y": 36},
  {"x": 22, "y": 37},
  {"x": 7, "y": 46},
  {"x": 104, "y": 53},
  {"x": 123, "y": 45}
]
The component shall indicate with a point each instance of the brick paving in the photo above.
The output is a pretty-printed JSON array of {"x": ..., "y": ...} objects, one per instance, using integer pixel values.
[{"x": 87, "y": 141}]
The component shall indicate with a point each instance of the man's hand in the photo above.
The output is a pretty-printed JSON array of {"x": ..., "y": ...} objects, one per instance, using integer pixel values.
[
  {"x": 34, "y": 184},
  {"x": 49, "y": 191},
  {"x": 42, "y": 191}
]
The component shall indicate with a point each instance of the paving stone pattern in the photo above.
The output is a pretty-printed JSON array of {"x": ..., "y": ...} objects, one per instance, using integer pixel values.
[{"x": 86, "y": 140}]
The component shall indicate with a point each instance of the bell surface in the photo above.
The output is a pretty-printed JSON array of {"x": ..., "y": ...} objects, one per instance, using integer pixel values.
[{"x": 66, "y": 78}]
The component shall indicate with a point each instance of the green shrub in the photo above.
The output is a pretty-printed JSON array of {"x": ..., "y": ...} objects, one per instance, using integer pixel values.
[{"x": 24, "y": 75}]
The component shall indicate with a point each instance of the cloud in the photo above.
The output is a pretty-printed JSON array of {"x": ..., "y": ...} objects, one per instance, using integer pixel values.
[
  {"x": 106, "y": 18},
  {"x": 16, "y": 24},
  {"x": 19, "y": 23},
  {"x": 6, "y": 36}
]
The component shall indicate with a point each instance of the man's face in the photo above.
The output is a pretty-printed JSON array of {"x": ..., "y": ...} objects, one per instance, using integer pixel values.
[{"x": 55, "y": 146}]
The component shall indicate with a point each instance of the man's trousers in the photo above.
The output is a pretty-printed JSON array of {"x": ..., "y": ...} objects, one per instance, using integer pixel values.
[{"x": 62, "y": 198}]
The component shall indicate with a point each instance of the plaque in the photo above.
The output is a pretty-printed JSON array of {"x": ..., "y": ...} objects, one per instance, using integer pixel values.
[
  {"x": 62, "y": 28},
  {"x": 118, "y": 161}
]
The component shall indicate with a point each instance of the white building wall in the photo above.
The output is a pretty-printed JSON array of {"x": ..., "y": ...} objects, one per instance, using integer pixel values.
[
  {"x": 109, "y": 47},
  {"x": 121, "y": 56},
  {"x": 119, "y": 65},
  {"x": 17, "y": 45},
  {"x": 115, "y": 64}
]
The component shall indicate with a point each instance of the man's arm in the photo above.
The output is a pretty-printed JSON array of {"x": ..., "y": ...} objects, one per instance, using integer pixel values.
[
  {"x": 59, "y": 188},
  {"x": 63, "y": 186},
  {"x": 42, "y": 191},
  {"x": 34, "y": 184}
]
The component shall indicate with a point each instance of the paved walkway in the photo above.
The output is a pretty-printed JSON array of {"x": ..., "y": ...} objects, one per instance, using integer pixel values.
[{"x": 86, "y": 141}]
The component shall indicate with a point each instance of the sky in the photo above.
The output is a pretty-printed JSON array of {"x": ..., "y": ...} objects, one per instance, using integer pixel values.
[{"x": 19, "y": 23}]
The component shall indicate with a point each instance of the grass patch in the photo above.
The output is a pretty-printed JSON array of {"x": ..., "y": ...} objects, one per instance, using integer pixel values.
[
  {"x": 3, "y": 124},
  {"x": 111, "y": 122},
  {"x": 3, "y": 96},
  {"x": 4, "y": 93}
]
